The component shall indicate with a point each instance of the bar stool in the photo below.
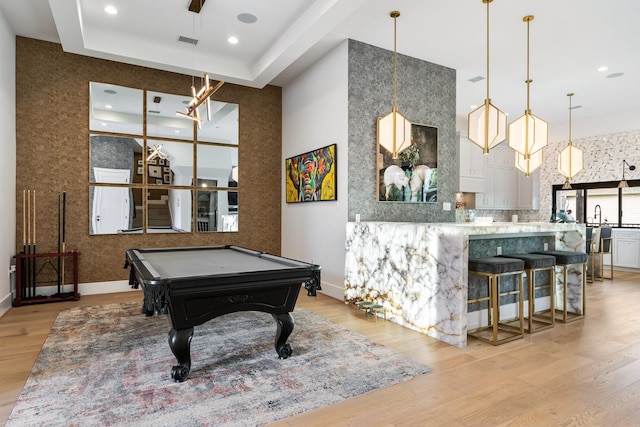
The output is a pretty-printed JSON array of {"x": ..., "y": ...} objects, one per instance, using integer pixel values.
[
  {"x": 563, "y": 260},
  {"x": 495, "y": 268},
  {"x": 534, "y": 263},
  {"x": 604, "y": 247}
]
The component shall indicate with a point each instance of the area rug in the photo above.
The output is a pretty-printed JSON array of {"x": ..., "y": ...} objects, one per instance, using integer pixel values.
[{"x": 111, "y": 366}]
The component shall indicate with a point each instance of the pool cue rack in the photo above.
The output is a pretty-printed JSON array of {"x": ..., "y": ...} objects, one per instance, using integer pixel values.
[
  {"x": 33, "y": 268},
  {"x": 25, "y": 296}
]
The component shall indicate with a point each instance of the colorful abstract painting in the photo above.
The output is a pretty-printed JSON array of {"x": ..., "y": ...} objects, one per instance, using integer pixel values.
[{"x": 311, "y": 176}]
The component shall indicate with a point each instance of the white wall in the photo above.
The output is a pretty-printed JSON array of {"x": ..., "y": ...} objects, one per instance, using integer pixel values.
[
  {"x": 7, "y": 158},
  {"x": 314, "y": 115},
  {"x": 593, "y": 126}
]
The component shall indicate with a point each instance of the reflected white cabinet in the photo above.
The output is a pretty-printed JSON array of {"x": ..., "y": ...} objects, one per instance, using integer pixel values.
[
  {"x": 472, "y": 176},
  {"x": 626, "y": 248}
]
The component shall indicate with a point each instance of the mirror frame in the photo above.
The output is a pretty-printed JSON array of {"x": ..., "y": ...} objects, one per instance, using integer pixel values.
[{"x": 183, "y": 174}]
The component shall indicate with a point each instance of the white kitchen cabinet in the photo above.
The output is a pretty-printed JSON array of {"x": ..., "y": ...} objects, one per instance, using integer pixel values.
[
  {"x": 501, "y": 181},
  {"x": 505, "y": 187},
  {"x": 471, "y": 173},
  {"x": 529, "y": 190},
  {"x": 626, "y": 248}
]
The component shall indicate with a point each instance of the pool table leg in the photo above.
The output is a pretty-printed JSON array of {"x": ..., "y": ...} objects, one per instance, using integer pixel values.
[
  {"x": 180, "y": 343},
  {"x": 285, "y": 327}
]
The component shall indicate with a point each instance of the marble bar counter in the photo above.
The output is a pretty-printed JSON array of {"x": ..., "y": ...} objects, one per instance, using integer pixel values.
[{"x": 418, "y": 271}]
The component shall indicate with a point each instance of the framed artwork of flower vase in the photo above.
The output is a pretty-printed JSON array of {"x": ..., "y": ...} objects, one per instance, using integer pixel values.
[{"x": 413, "y": 175}]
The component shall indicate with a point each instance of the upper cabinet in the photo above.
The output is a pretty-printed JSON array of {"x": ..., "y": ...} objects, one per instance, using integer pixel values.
[
  {"x": 472, "y": 176},
  {"x": 505, "y": 187}
]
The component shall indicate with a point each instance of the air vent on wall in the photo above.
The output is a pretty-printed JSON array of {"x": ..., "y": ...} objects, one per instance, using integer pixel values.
[
  {"x": 154, "y": 111},
  {"x": 476, "y": 79},
  {"x": 188, "y": 40},
  {"x": 576, "y": 107}
]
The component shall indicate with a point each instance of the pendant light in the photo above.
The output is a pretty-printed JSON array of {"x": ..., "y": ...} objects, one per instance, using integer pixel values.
[
  {"x": 528, "y": 134},
  {"x": 394, "y": 130},
  {"x": 487, "y": 125},
  {"x": 203, "y": 95},
  {"x": 571, "y": 159}
]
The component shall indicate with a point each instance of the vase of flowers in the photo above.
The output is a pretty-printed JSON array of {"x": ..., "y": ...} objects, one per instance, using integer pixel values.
[{"x": 409, "y": 157}]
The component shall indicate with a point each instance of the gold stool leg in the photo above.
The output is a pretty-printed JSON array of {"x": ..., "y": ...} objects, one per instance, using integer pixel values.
[
  {"x": 531, "y": 280},
  {"x": 496, "y": 306}
]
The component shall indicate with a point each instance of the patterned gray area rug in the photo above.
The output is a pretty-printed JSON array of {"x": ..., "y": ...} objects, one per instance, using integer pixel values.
[{"x": 110, "y": 365}]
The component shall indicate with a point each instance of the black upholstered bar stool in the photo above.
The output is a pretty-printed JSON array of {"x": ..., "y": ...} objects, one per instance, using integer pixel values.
[
  {"x": 495, "y": 268},
  {"x": 563, "y": 260},
  {"x": 534, "y": 263}
]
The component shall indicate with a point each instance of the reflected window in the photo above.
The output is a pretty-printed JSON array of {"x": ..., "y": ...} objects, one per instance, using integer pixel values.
[{"x": 148, "y": 173}]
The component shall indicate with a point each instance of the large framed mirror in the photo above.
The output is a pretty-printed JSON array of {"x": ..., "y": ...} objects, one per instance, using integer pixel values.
[{"x": 155, "y": 172}]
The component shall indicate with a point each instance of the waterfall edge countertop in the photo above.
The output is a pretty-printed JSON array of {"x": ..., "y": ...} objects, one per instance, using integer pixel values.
[{"x": 418, "y": 271}]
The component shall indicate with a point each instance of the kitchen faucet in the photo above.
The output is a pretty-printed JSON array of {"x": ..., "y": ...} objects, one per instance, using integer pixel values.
[{"x": 597, "y": 213}]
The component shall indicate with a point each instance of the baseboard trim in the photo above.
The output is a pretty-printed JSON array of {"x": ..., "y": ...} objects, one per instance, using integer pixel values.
[{"x": 333, "y": 291}]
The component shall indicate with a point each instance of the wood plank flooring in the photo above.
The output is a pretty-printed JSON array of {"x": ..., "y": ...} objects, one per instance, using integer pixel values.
[{"x": 585, "y": 373}]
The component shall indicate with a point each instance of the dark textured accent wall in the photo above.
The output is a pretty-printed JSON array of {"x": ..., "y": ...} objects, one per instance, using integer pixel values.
[
  {"x": 52, "y": 155},
  {"x": 426, "y": 94}
]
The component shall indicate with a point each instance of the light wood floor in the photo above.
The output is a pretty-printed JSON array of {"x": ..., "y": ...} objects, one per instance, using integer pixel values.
[{"x": 586, "y": 373}]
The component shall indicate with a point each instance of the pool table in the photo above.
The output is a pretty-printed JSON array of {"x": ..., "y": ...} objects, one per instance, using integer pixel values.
[{"x": 196, "y": 284}]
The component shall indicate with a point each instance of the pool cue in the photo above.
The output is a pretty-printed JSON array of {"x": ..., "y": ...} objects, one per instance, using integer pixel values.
[
  {"x": 29, "y": 243},
  {"x": 64, "y": 226},
  {"x": 59, "y": 257},
  {"x": 23, "y": 262},
  {"x": 34, "y": 242}
]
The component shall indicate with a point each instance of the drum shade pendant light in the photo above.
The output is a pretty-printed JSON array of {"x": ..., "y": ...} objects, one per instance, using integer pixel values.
[
  {"x": 528, "y": 134},
  {"x": 203, "y": 95},
  {"x": 571, "y": 159},
  {"x": 487, "y": 125},
  {"x": 394, "y": 130}
]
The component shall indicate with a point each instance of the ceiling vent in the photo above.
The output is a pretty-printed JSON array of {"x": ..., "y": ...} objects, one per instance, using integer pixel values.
[
  {"x": 576, "y": 107},
  {"x": 188, "y": 40},
  {"x": 476, "y": 79},
  {"x": 154, "y": 111}
]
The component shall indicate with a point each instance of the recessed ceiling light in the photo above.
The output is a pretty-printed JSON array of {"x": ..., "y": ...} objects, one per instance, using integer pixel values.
[
  {"x": 614, "y": 75},
  {"x": 111, "y": 10},
  {"x": 176, "y": 131},
  {"x": 108, "y": 106},
  {"x": 247, "y": 18},
  {"x": 473, "y": 107},
  {"x": 233, "y": 40},
  {"x": 103, "y": 124},
  {"x": 603, "y": 68}
]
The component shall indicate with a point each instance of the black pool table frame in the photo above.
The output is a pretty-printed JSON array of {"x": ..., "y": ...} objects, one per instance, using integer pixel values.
[{"x": 208, "y": 282}]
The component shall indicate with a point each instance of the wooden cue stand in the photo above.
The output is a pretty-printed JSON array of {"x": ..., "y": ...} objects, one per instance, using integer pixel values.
[{"x": 71, "y": 296}]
